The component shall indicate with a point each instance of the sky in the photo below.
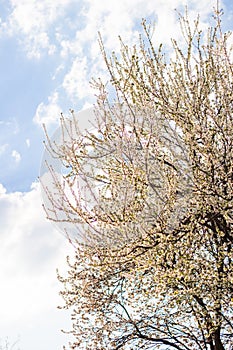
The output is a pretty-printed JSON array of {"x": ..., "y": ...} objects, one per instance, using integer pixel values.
[{"x": 48, "y": 54}]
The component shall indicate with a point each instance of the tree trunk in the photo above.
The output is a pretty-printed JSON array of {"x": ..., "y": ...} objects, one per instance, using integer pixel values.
[{"x": 217, "y": 340}]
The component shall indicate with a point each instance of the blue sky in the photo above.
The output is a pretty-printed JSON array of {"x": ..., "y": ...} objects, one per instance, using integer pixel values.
[{"x": 49, "y": 52}]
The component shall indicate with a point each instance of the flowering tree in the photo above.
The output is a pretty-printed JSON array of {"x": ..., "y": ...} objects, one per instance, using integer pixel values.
[
  {"x": 5, "y": 345},
  {"x": 148, "y": 194}
]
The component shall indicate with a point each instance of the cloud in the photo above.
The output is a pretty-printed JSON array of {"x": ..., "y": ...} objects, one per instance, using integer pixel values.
[
  {"x": 58, "y": 71},
  {"x": 2, "y": 189},
  {"x": 33, "y": 20},
  {"x": 16, "y": 155},
  {"x": 28, "y": 143},
  {"x": 30, "y": 251},
  {"x": 48, "y": 113},
  {"x": 112, "y": 19},
  {"x": 39, "y": 43},
  {"x": 49, "y": 25},
  {"x": 3, "y": 148},
  {"x": 69, "y": 30},
  {"x": 10, "y": 125},
  {"x": 76, "y": 81}
]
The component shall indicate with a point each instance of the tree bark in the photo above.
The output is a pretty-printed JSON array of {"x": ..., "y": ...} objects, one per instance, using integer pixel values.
[{"x": 218, "y": 345}]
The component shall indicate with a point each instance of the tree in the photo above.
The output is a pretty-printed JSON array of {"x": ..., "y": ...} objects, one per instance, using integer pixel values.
[
  {"x": 149, "y": 193},
  {"x": 5, "y": 345}
]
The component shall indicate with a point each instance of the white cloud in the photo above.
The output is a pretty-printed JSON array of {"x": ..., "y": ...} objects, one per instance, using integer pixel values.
[
  {"x": 58, "y": 70},
  {"x": 118, "y": 18},
  {"x": 48, "y": 113},
  {"x": 39, "y": 43},
  {"x": 43, "y": 24},
  {"x": 11, "y": 124},
  {"x": 76, "y": 81},
  {"x": 28, "y": 143},
  {"x": 2, "y": 189},
  {"x": 3, "y": 148},
  {"x": 16, "y": 155},
  {"x": 33, "y": 20},
  {"x": 110, "y": 18},
  {"x": 49, "y": 27},
  {"x": 30, "y": 251}
]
